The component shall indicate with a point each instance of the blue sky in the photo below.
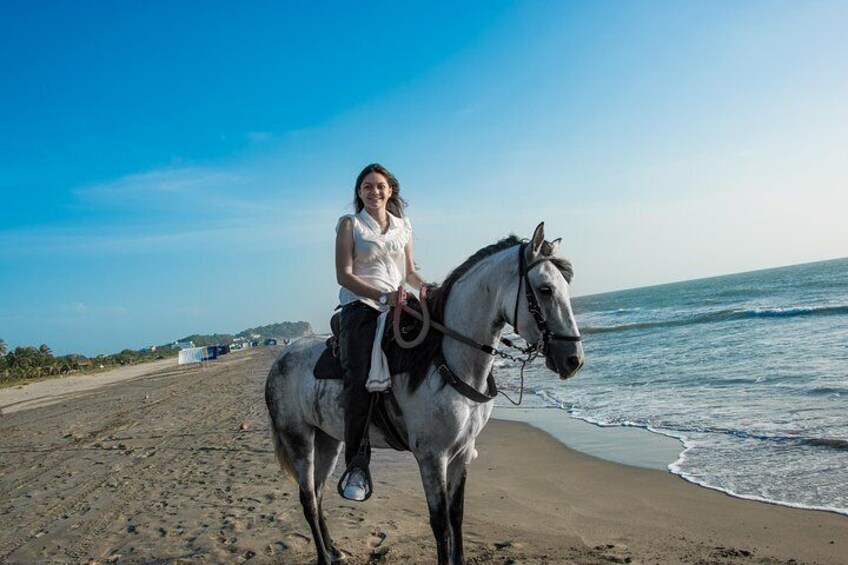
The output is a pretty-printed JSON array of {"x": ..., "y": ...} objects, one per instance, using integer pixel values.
[{"x": 171, "y": 169}]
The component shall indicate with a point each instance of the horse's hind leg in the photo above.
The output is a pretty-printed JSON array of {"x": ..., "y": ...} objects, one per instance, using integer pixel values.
[
  {"x": 456, "y": 506},
  {"x": 327, "y": 451},
  {"x": 299, "y": 445}
]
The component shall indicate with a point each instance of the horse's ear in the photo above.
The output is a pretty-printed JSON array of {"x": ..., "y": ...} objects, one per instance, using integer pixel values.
[
  {"x": 538, "y": 238},
  {"x": 554, "y": 246}
]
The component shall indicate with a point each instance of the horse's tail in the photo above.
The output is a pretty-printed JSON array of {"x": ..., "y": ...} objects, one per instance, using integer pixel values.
[{"x": 274, "y": 378}]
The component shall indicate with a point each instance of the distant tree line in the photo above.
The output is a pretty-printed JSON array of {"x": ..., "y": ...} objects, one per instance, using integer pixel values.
[{"x": 28, "y": 363}]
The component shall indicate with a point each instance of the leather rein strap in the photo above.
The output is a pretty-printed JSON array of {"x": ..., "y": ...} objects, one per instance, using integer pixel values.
[
  {"x": 461, "y": 386},
  {"x": 439, "y": 360},
  {"x": 444, "y": 330}
]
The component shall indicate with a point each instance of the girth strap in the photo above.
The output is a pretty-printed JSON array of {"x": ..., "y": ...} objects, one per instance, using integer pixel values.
[
  {"x": 382, "y": 419},
  {"x": 461, "y": 386}
]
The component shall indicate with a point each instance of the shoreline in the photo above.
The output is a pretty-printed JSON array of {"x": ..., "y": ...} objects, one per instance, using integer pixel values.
[
  {"x": 641, "y": 509},
  {"x": 626, "y": 445}
]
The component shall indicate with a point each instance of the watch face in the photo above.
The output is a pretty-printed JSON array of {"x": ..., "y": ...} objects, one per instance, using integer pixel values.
[{"x": 383, "y": 299}]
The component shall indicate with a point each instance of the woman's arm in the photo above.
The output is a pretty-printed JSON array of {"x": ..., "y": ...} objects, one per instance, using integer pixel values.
[
  {"x": 412, "y": 277},
  {"x": 344, "y": 265}
]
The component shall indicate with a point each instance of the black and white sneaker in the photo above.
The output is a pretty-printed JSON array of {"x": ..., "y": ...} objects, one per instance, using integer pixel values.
[{"x": 356, "y": 486}]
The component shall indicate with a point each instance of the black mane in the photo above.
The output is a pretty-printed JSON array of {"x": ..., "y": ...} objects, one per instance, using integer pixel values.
[{"x": 419, "y": 359}]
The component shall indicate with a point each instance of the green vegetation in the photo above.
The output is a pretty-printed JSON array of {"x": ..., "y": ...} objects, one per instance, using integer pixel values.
[
  {"x": 24, "y": 364},
  {"x": 27, "y": 364}
]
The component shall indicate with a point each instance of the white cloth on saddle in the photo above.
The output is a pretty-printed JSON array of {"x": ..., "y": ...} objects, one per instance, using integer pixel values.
[{"x": 379, "y": 378}]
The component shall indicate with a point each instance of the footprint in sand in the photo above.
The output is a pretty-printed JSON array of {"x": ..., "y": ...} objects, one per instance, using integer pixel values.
[
  {"x": 376, "y": 539},
  {"x": 277, "y": 547},
  {"x": 351, "y": 515},
  {"x": 246, "y": 556},
  {"x": 390, "y": 525},
  {"x": 615, "y": 553},
  {"x": 297, "y": 541},
  {"x": 377, "y": 555}
]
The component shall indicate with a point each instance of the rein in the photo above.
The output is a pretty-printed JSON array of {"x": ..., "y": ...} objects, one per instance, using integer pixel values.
[{"x": 532, "y": 351}]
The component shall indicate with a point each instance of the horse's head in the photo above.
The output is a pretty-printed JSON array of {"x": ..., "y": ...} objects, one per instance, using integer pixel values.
[{"x": 548, "y": 278}]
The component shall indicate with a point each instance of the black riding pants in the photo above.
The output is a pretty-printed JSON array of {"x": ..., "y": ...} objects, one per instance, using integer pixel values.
[{"x": 356, "y": 337}]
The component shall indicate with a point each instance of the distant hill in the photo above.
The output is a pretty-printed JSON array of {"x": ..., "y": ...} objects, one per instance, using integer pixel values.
[
  {"x": 278, "y": 330},
  {"x": 282, "y": 329}
]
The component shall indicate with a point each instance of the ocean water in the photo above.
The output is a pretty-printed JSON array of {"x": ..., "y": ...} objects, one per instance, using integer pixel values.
[{"x": 748, "y": 371}]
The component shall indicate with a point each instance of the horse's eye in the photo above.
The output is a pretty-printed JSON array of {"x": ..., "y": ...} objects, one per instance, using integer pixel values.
[{"x": 546, "y": 290}]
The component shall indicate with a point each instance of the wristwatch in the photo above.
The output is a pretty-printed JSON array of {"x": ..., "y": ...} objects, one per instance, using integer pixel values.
[{"x": 384, "y": 298}]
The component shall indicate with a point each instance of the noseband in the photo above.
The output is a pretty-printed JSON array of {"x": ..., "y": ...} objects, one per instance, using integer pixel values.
[{"x": 543, "y": 345}]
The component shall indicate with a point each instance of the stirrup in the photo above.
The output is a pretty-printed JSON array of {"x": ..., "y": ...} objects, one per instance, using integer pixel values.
[{"x": 358, "y": 462}]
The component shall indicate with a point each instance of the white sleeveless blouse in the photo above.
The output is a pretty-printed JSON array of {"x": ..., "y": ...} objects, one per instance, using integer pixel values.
[{"x": 379, "y": 259}]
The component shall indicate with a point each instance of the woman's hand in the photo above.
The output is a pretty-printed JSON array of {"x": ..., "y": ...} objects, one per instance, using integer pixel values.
[{"x": 393, "y": 296}]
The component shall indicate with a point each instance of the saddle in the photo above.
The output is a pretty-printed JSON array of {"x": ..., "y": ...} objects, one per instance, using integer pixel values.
[
  {"x": 386, "y": 414},
  {"x": 329, "y": 365}
]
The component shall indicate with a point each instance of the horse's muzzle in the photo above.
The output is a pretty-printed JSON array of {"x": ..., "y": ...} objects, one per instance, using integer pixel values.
[{"x": 565, "y": 359}]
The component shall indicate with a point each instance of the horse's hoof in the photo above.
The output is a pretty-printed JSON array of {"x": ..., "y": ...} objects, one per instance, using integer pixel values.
[{"x": 338, "y": 556}]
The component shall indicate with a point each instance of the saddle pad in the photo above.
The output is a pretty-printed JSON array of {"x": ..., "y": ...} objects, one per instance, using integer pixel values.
[
  {"x": 387, "y": 416},
  {"x": 328, "y": 367}
]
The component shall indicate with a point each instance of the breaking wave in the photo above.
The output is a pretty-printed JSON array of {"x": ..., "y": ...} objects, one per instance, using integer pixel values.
[{"x": 723, "y": 316}]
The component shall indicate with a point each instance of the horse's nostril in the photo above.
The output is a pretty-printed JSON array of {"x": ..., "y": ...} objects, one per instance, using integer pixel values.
[{"x": 573, "y": 362}]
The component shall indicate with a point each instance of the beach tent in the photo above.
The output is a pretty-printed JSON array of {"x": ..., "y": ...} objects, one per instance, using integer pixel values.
[
  {"x": 211, "y": 353},
  {"x": 192, "y": 355}
]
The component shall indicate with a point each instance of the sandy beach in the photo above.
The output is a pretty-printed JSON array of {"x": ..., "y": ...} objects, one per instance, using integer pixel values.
[{"x": 175, "y": 465}]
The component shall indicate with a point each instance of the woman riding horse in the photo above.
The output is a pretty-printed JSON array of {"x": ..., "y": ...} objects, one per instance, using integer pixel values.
[
  {"x": 373, "y": 258},
  {"x": 442, "y": 402}
]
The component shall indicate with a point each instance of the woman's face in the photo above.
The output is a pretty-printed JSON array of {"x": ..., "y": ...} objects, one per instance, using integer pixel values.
[{"x": 374, "y": 190}]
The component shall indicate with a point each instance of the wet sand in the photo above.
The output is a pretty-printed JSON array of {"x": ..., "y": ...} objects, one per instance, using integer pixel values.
[{"x": 176, "y": 466}]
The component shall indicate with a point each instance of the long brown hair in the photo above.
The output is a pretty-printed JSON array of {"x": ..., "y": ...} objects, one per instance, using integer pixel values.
[{"x": 395, "y": 205}]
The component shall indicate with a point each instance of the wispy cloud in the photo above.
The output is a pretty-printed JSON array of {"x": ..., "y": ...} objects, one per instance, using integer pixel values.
[
  {"x": 108, "y": 240},
  {"x": 75, "y": 308},
  {"x": 167, "y": 187},
  {"x": 271, "y": 223},
  {"x": 231, "y": 191},
  {"x": 177, "y": 209}
]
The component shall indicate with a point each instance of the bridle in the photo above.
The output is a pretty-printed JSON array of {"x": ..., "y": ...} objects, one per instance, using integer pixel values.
[{"x": 543, "y": 345}]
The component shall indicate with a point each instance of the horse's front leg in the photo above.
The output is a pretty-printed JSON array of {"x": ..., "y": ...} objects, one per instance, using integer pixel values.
[
  {"x": 456, "y": 506},
  {"x": 433, "y": 476}
]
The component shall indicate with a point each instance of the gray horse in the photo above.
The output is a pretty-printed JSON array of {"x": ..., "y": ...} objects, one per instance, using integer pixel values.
[{"x": 499, "y": 283}]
